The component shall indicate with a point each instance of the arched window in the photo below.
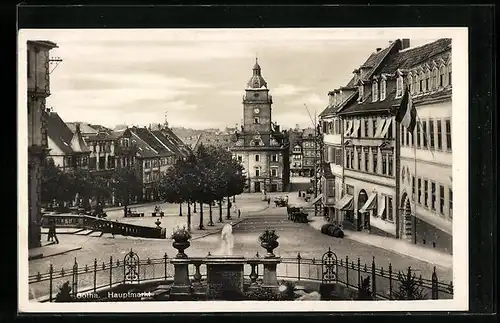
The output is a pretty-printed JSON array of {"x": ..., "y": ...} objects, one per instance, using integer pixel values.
[
  {"x": 435, "y": 76},
  {"x": 375, "y": 91},
  {"x": 382, "y": 89},
  {"x": 415, "y": 83},
  {"x": 442, "y": 73},
  {"x": 399, "y": 86},
  {"x": 422, "y": 82},
  {"x": 361, "y": 93},
  {"x": 428, "y": 86}
]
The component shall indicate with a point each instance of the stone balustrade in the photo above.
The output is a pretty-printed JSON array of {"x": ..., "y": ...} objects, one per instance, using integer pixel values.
[
  {"x": 103, "y": 225},
  {"x": 222, "y": 274}
]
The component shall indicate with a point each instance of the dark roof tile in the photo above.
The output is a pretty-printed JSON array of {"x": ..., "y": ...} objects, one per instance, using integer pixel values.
[
  {"x": 58, "y": 131},
  {"x": 414, "y": 56}
]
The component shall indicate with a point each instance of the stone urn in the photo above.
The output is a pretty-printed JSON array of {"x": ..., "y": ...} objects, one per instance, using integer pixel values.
[
  {"x": 269, "y": 241},
  {"x": 181, "y": 242},
  {"x": 269, "y": 246},
  {"x": 181, "y": 246}
]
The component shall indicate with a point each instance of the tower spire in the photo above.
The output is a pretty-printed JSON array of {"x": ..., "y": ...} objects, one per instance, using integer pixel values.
[{"x": 166, "y": 119}]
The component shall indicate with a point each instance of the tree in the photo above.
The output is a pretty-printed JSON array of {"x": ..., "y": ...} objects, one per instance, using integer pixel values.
[
  {"x": 409, "y": 287},
  {"x": 56, "y": 184},
  {"x": 126, "y": 185}
]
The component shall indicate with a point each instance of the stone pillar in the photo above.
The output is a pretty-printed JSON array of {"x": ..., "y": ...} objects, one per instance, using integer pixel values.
[
  {"x": 181, "y": 289},
  {"x": 270, "y": 278}
]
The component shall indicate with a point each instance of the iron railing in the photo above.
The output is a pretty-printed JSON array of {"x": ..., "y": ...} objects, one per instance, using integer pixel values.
[{"x": 384, "y": 283}]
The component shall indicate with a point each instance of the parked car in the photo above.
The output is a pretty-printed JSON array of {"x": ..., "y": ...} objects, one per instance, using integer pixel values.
[{"x": 332, "y": 230}]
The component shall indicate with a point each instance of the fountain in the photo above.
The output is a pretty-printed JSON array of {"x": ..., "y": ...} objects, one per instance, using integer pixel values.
[{"x": 227, "y": 240}]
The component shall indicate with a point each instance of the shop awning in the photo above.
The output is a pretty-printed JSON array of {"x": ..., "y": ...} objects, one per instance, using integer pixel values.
[
  {"x": 386, "y": 128},
  {"x": 370, "y": 204},
  {"x": 380, "y": 127},
  {"x": 317, "y": 199},
  {"x": 357, "y": 124},
  {"x": 381, "y": 208},
  {"x": 345, "y": 203},
  {"x": 348, "y": 128}
]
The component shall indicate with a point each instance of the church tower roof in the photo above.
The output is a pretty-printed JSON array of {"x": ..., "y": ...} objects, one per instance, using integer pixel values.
[{"x": 256, "y": 81}]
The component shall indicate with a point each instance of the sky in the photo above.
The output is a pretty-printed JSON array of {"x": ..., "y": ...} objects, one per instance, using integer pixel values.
[{"x": 132, "y": 77}]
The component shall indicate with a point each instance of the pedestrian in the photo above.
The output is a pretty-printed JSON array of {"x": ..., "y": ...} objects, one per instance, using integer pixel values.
[
  {"x": 268, "y": 201},
  {"x": 53, "y": 229},
  {"x": 49, "y": 234}
]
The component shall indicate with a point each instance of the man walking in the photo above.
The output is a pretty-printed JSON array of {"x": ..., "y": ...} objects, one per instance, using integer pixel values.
[{"x": 52, "y": 232}]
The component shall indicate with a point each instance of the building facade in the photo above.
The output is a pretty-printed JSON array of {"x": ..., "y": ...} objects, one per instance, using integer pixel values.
[
  {"x": 391, "y": 184},
  {"x": 310, "y": 151},
  {"x": 296, "y": 160},
  {"x": 261, "y": 147},
  {"x": 38, "y": 83}
]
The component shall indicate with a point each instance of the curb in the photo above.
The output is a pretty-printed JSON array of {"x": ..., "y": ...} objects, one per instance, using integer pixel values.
[{"x": 41, "y": 256}]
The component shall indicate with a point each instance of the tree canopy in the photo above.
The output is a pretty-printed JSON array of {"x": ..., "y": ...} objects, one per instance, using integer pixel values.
[
  {"x": 126, "y": 184},
  {"x": 209, "y": 174}
]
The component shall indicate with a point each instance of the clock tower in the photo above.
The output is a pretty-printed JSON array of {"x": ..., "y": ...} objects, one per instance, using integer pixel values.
[
  {"x": 260, "y": 146},
  {"x": 257, "y": 107}
]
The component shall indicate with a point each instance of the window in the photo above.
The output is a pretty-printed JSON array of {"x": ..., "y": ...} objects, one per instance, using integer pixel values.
[
  {"x": 402, "y": 132},
  {"x": 421, "y": 82},
  {"x": 367, "y": 160},
  {"x": 399, "y": 86},
  {"x": 427, "y": 80},
  {"x": 435, "y": 74},
  {"x": 425, "y": 131},
  {"x": 419, "y": 191},
  {"x": 361, "y": 93},
  {"x": 358, "y": 155},
  {"x": 240, "y": 158},
  {"x": 257, "y": 158},
  {"x": 350, "y": 189},
  {"x": 433, "y": 196},
  {"x": 450, "y": 192},
  {"x": 257, "y": 172},
  {"x": 426, "y": 193},
  {"x": 448, "y": 134},
  {"x": 417, "y": 130},
  {"x": 348, "y": 159},
  {"x": 274, "y": 172},
  {"x": 439, "y": 136},
  {"x": 431, "y": 134},
  {"x": 389, "y": 163},
  {"x": 256, "y": 142},
  {"x": 375, "y": 91},
  {"x": 413, "y": 188},
  {"x": 441, "y": 199},
  {"x": 407, "y": 137},
  {"x": 274, "y": 158},
  {"x": 375, "y": 157},
  {"x": 352, "y": 159},
  {"x": 389, "y": 209},
  {"x": 415, "y": 84},
  {"x": 367, "y": 130},
  {"x": 382, "y": 90},
  {"x": 403, "y": 174},
  {"x": 441, "y": 76},
  {"x": 384, "y": 164},
  {"x": 256, "y": 120},
  {"x": 410, "y": 82}
]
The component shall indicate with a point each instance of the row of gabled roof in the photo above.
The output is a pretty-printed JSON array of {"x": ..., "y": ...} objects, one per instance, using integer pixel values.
[
  {"x": 73, "y": 137},
  {"x": 396, "y": 57}
]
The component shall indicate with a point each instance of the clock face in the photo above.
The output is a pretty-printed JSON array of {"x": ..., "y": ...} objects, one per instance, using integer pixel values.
[
  {"x": 256, "y": 95},
  {"x": 256, "y": 110}
]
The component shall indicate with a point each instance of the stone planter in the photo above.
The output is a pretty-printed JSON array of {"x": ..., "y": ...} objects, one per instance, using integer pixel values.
[
  {"x": 181, "y": 246},
  {"x": 269, "y": 246}
]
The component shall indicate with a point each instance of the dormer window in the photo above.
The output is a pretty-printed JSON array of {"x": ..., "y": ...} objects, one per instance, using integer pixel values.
[
  {"x": 435, "y": 74},
  {"x": 441, "y": 76},
  {"x": 375, "y": 91},
  {"x": 335, "y": 99},
  {"x": 256, "y": 120},
  {"x": 361, "y": 93},
  {"x": 449, "y": 74},
  {"x": 415, "y": 84},
  {"x": 399, "y": 86},
  {"x": 382, "y": 89}
]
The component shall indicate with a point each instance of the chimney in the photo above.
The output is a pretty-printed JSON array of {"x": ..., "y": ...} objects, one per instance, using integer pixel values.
[{"x": 405, "y": 43}]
